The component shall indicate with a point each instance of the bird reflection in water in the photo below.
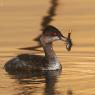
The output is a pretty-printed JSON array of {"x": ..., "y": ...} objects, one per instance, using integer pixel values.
[{"x": 30, "y": 83}]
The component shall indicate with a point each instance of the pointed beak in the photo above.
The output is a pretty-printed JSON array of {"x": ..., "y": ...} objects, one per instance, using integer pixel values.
[{"x": 63, "y": 38}]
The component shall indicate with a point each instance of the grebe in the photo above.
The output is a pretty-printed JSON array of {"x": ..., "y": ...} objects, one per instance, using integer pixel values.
[{"x": 26, "y": 62}]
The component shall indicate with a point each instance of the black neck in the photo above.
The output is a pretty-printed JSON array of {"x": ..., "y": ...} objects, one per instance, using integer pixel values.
[{"x": 49, "y": 52}]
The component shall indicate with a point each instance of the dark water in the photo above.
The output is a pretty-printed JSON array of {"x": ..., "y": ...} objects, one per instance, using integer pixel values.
[{"x": 21, "y": 22}]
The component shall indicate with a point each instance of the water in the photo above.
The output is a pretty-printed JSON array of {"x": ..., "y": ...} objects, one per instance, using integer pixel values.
[{"x": 21, "y": 21}]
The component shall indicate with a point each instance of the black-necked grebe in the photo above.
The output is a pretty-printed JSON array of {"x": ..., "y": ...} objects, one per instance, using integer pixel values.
[{"x": 35, "y": 62}]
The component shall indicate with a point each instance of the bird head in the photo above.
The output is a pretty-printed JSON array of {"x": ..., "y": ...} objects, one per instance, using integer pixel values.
[{"x": 51, "y": 34}]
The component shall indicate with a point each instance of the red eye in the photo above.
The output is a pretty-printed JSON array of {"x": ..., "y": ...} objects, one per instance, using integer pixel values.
[{"x": 54, "y": 34}]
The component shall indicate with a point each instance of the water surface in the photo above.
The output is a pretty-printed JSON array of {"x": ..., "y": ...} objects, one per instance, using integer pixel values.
[{"x": 21, "y": 21}]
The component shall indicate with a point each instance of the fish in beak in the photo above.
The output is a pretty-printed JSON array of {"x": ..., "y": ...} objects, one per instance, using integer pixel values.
[{"x": 68, "y": 41}]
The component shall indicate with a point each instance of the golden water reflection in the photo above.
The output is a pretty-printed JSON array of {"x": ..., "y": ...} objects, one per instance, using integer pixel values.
[{"x": 20, "y": 23}]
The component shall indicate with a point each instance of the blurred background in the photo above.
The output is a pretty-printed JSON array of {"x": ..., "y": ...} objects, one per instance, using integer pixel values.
[{"x": 21, "y": 22}]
